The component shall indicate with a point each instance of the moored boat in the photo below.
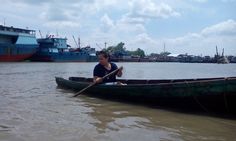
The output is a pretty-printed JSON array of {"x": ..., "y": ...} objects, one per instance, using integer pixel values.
[
  {"x": 213, "y": 92},
  {"x": 16, "y": 44},
  {"x": 55, "y": 49}
]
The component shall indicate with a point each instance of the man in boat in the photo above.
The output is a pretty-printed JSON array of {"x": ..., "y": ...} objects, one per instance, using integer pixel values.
[{"x": 105, "y": 67}]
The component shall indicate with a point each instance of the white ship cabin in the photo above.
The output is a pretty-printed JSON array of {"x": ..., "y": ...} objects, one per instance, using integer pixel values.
[{"x": 16, "y": 31}]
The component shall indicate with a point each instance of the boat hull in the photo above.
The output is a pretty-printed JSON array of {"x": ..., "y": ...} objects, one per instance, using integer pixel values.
[
  {"x": 180, "y": 88},
  {"x": 218, "y": 94}
]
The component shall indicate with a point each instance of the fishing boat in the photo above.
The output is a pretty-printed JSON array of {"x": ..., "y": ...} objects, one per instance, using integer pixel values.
[
  {"x": 56, "y": 49},
  {"x": 221, "y": 59},
  {"x": 206, "y": 92}
]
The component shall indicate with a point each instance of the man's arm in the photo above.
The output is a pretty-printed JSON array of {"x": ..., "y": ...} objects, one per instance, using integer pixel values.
[{"x": 96, "y": 74}]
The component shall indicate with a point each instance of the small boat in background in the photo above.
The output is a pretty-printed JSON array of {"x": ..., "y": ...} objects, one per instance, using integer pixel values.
[
  {"x": 16, "y": 44},
  {"x": 216, "y": 93},
  {"x": 221, "y": 59}
]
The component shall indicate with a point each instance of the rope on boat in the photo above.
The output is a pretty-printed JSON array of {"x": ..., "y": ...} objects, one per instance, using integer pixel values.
[
  {"x": 224, "y": 95},
  {"x": 197, "y": 101},
  {"x": 201, "y": 105}
]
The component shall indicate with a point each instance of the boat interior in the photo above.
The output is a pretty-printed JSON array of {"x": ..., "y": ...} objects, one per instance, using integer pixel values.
[{"x": 152, "y": 81}]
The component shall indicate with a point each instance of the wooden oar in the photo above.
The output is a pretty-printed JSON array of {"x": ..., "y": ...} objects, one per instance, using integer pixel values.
[{"x": 94, "y": 83}]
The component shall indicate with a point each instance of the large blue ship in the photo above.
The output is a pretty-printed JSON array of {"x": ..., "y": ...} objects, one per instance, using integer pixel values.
[
  {"x": 16, "y": 44},
  {"x": 52, "y": 49}
]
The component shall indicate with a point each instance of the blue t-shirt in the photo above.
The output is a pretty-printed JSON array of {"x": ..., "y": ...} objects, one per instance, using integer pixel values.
[{"x": 101, "y": 71}]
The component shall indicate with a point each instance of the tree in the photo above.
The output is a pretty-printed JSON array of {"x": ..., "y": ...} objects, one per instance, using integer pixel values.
[
  {"x": 117, "y": 50},
  {"x": 120, "y": 50},
  {"x": 165, "y": 53},
  {"x": 138, "y": 52}
]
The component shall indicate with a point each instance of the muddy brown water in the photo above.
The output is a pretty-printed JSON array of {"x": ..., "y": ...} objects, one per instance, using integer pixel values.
[{"x": 32, "y": 108}]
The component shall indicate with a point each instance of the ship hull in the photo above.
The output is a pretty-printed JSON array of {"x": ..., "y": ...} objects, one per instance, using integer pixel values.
[
  {"x": 14, "y": 58},
  {"x": 61, "y": 57},
  {"x": 15, "y": 53}
]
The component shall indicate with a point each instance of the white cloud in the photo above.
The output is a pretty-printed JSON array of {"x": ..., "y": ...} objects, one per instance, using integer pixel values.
[
  {"x": 107, "y": 23},
  {"x": 141, "y": 12},
  {"x": 204, "y": 42},
  {"x": 122, "y": 21},
  {"x": 143, "y": 41},
  {"x": 228, "y": 0},
  {"x": 121, "y": 26},
  {"x": 224, "y": 28},
  {"x": 133, "y": 22},
  {"x": 62, "y": 24},
  {"x": 127, "y": 28},
  {"x": 200, "y": 1},
  {"x": 222, "y": 34},
  {"x": 127, "y": 19},
  {"x": 150, "y": 9}
]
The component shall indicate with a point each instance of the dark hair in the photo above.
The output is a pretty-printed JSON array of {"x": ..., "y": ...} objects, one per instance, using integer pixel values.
[{"x": 104, "y": 54}]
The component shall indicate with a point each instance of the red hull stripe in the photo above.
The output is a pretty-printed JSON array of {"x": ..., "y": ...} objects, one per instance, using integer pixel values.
[{"x": 14, "y": 58}]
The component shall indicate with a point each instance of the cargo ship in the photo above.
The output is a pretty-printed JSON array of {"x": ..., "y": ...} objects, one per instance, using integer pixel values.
[
  {"x": 54, "y": 49},
  {"x": 16, "y": 44}
]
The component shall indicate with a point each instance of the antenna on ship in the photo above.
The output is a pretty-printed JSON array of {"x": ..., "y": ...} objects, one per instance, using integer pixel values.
[
  {"x": 40, "y": 34},
  {"x": 57, "y": 33},
  {"x": 164, "y": 47},
  {"x": 4, "y": 21},
  {"x": 105, "y": 45},
  {"x": 47, "y": 35}
]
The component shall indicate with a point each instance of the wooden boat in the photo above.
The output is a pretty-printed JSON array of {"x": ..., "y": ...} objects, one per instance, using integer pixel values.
[{"x": 208, "y": 91}]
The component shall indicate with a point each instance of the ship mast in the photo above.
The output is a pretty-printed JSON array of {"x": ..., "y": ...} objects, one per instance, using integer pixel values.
[
  {"x": 217, "y": 54},
  {"x": 223, "y": 52},
  {"x": 164, "y": 47},
  {"x": 75, "y": 42},
  {"x": 79, "y": 42}
]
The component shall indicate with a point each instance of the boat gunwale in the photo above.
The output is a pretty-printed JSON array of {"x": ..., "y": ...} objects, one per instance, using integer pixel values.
[{"x": 199, "y": 81}]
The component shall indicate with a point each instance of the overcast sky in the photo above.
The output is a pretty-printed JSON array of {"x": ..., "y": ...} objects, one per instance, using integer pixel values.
[{"x": 185, "y": 26}]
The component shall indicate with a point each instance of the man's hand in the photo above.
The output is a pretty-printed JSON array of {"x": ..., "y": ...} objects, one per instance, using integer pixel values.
[
  {"x": 119, "y": 73},
  {"x": 98, "y": 80}
]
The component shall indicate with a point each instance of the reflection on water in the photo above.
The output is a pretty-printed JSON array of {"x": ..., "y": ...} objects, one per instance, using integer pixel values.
[
  {"x": 32, "y": 108},
  {"x": 119, "y": 118}
]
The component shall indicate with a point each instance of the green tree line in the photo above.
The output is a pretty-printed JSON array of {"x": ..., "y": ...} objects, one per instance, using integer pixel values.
[{"x": 120, "y": 50}]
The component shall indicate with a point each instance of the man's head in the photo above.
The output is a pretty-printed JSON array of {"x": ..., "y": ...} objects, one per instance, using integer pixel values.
[{"x": 103, "y": 57}]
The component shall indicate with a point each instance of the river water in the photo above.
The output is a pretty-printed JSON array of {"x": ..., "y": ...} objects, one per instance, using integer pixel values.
[{"x": 32, "y": 108}]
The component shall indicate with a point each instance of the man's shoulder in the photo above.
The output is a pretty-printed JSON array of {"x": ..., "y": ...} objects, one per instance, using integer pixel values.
[
  {"x": 98, "y": 66},
  {"x": 113, "y": 65}
]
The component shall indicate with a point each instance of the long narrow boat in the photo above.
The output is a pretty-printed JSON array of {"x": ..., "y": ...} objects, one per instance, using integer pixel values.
[{"x": 213, "y": 92}]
